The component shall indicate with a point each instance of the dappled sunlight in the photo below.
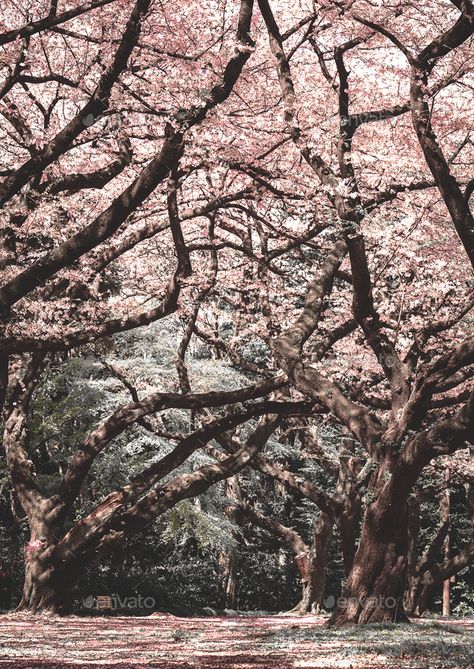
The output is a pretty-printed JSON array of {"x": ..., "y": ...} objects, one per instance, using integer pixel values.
[{"x": 166, "y": 641}]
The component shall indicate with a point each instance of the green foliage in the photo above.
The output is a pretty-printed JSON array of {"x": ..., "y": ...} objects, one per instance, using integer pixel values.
[
  {"x": 187, "y": 523},
  {"x": 67, "y": 403},
  {"x": 176, "y": 559}
]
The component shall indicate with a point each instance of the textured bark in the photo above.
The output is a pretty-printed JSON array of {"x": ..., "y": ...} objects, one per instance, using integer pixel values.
[
  {"x": 40, "y": 590},
  {"x": 43, "y": 588},
  {"x": 228, "y": 557},
  {"x": 315, "y": 583},
  {"x": 376, "y": 583},
  {"x": 349, "y": 513},
  {"x": 228, "y": 578},
  {"x": 409, "y": 597}
]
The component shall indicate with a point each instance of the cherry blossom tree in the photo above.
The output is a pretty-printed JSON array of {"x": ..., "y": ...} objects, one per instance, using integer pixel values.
[
  {"x": 401, "y": 444},
  {"x": 293, "y": 183},
  {"x": 32, "y": 196}
]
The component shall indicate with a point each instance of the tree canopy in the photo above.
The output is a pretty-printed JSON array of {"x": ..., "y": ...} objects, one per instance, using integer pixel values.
[{"x": 283, "y": 188}]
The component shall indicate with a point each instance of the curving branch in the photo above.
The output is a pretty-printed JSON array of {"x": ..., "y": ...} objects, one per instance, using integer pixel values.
[
  {"x": 129, "y": 414},
  {"x": 94, "y": 107}
]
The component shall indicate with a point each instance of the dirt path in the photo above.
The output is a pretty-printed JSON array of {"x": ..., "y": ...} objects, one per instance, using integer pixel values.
[{"x": 283, "y": 642}]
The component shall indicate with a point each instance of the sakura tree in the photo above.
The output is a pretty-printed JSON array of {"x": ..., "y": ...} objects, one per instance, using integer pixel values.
[
  {"x": 403, "y": 442},
  {"x": 293, "y": 183},
  {"x": 53, "y": 231}
]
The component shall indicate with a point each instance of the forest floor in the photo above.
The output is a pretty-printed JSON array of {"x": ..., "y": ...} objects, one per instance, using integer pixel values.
[{"x": 164, "y": 641}]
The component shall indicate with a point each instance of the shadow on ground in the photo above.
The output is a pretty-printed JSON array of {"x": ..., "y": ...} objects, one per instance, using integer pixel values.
[{"x": 164, "y": 641}]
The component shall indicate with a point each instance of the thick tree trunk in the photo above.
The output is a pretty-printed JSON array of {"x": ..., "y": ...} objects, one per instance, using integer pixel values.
[
  {"x": 44, "y": 588},
  {"x": 376, "y": 584},
  {"x": 39, "y": 590},
  {"x": 314, "y": 582},
  {"x": 349, "y": 527}
]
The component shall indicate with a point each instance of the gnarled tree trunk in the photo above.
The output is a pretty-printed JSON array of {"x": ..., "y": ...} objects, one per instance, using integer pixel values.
[
  {"x": 376, "y": 583},
  {"x": 42, "y": 589},
  {"x": 228, "y": 578}
]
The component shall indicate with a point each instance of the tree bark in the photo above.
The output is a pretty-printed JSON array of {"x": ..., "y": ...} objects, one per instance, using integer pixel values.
[
  {"x": 43, "y": 589},
  {"x": 348, "y": 516},
  {"x": 409, "y": 599},
  {"x": 228, "y": 578},
  {"x": 376, "y": 583},
  {"x": 445, "y": 516},
  {"x": 315, "y": 582},
  {"x": 228, "y": 557}
]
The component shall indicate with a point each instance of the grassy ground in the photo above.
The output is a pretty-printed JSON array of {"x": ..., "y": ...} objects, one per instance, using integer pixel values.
[{"x": 283, "y": 642}]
